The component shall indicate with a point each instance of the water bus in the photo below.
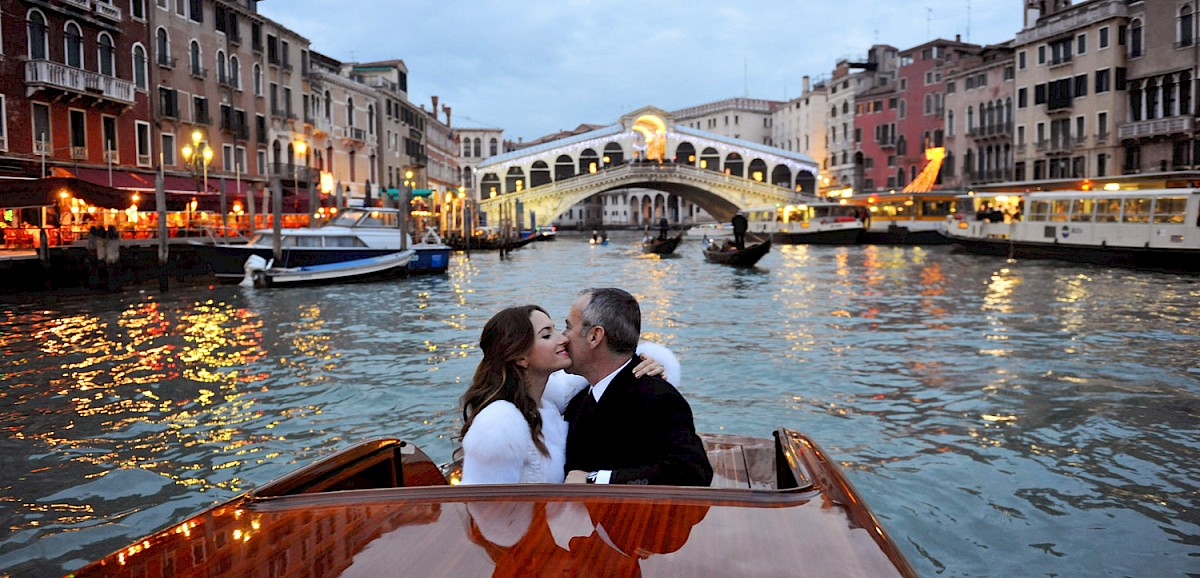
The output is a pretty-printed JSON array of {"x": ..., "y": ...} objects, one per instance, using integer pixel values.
[
  {"x": 905, "y": 218},
  {"x": 822, "y": 223},
  {"x": 1153, "y": 229}
]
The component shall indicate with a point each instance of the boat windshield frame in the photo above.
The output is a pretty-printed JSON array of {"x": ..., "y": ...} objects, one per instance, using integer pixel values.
[{"x": 372, "y": 217}]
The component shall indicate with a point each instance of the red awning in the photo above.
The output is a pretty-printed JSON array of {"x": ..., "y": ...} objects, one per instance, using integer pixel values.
[
  {"x": 144, "y": 182},
  {"x": 46, "y": 192}
]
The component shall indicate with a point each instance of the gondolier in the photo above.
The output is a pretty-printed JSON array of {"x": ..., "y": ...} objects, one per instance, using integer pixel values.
[{"x": 739, "y": 230}]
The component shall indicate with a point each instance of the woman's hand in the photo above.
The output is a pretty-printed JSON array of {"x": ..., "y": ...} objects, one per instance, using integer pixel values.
[{"x": 648, "y": 366}]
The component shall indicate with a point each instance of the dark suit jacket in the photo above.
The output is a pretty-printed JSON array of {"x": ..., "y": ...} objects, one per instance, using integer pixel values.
[{"x": 641, "y": 429}]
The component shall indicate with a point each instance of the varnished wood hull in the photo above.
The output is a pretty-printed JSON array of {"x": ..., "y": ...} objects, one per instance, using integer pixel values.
[
  {"x": 778, "y": 507},
  {"x": 662, "y": 247}
]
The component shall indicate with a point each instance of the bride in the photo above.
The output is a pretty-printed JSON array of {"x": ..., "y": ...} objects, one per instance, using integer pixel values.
[{"x": 513, "y": 427}]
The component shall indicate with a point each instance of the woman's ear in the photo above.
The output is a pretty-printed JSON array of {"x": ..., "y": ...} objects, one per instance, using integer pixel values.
[{"x": 522, "y": 362}]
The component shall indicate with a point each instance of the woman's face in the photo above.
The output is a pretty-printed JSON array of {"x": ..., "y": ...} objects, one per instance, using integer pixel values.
[{"x": 549, "y": 350}]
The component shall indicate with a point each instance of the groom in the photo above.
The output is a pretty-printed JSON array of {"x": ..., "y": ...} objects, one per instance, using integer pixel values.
[{"x": 624, "y": 429}]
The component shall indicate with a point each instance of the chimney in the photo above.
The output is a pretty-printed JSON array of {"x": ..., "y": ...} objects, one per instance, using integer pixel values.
[
  {"x": 804, "y": 85},
  {"x": 446, "y": 110},
  {"x": 958, "y": 37},
  {"x": 435, "y": 112}
]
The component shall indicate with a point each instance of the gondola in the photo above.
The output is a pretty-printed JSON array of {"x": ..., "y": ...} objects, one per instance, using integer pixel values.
[
  {"x": 384, "y": 508},
  {"x": 662, "y": 246},
  {"x": 739, "y": 258}
]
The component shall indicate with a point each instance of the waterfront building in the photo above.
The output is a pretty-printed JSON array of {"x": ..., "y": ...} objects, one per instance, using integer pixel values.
[
  {"x": 341, "y": 119},
  {"x": 75, "y": 78},
  {"x": 920, "y": 110},
  {"x": 979, "y": 108},
  {"x": 1158, "y": 132},
  {"x": 875, "y": 131},
  {"x": 850, "y": 77},
  {"x": 1070, "y": 82},
  {"x": 477, "y": 143},
  {"x": 441, "y": 151},
  {"x": 800, "y": 124},
  {"x": 748, "y": 119},
  {"x": 402, "y": 158}
]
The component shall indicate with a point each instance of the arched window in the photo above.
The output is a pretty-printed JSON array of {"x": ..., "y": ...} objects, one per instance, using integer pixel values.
[
  {"x": 256, "y": 74},
  {"x": 235, "y": 72},
  {"x": 194, "y": 57},
  {"x": 950, "y": 123},
  {"x": 492, "y": 145},
  {"x": 328, "y": 105},
  {"x": 39, "y": 45},
  {"x": 222, "y": 68},
  {"x": 1187, "y": 26},
  {"x": 371, "y": 118},
  {"x": 350, "y": 112},
  {"x": 74, "y": 45},
  {"x": 105, "y": 55},
  {"x": 466, "y": 150},
  {"x": 1135, "y": 38},
  {"x": 970, "y": 119},
  {"x": 139, "y": 67},
  {"x": 162, "y": 46},
  {"x": 478, "y": 147}
]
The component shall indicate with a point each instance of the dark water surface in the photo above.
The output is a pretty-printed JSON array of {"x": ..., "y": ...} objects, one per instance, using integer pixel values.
[{"x": 1001, "y": 418}]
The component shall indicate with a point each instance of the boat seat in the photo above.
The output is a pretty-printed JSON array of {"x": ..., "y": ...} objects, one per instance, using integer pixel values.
[{"x": 738, "y": 462}]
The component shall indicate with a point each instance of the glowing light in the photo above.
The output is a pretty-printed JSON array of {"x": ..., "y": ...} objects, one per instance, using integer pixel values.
[{"x": 1112, "y": 187}]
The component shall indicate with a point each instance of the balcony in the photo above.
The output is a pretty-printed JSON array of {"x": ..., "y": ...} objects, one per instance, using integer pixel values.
[
  {"x": 292, "y": 171},
  {"x": 108, "y": 11},
  {"x": 51, "y": 75},
  {"x": 1155, "y": 128},
  {"x": 887, "y": 143},
  {"x": 199, "y": 72},
  {"x": 166, "y": 61},
  {"x": 84, "y": 4},
  {"x": 79, "y": 153},
  {"x": 112, "y": 157}
]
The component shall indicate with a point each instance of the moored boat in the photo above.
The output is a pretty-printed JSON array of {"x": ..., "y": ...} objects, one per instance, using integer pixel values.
[
  {"x": 904, "y": 218},
  {"x": 738, "y": 258},
  {"x": 710, "y": 231},
  {"x": 817, "y": 223},
  {"x": 354, "y": 234},
  {"x": 658, "y": 246},
  {"x": 383, "y": 508},
  {"x": 381, "y": 267},
  {"x": 1146, "y": 229}
]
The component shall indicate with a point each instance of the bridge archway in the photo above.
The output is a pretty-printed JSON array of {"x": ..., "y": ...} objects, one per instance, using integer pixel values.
[
  {"x": 539, "y": 174},
  {"x": 781, "y": 177},
  {"x": 489, "y": 186},
  {"x": 758, "y": 170},
  {"x": 733, "y": 164},
  {"x": 564, "y": 167},
  {"x": 514, "y": 180},
  {"x": 589, "y": 161},
  {"x": 613, "y": 155},
  {"x": 685, "y": 153}
]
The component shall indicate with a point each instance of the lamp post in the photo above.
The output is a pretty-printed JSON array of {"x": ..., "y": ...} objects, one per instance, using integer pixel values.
[
  {"x": 405, "y": 208},
  {"x": 197, "y": 156}
]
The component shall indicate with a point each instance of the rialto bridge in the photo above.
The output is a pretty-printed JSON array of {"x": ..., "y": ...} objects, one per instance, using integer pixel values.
[{"x": 645, "y": 150}]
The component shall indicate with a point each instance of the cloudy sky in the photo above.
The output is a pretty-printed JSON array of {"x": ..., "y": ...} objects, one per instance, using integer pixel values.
[{"x": 533, "y": 68}]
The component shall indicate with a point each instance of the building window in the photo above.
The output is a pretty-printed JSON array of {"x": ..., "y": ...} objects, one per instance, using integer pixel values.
[
  {"x": 78, "y": 126},
  {"x": 139, "y": 67},
  {"x": 1102, "y": 81},
  {"x": 194, "y": 58},
  {"x": 1101, "y": 125},
  {"x": 1042, "y": 54},
  {"x": 137, "y": 9},
  {"x": 142, "y": 129},
  {"x": 162, "y": 47},
  {"x": 73, "y": 39},
  {"x": 1104, "y": 37},
  {"x": 105, "y": 55},
  {"x": 256, "y": 73},
  {"x": 1187, "y": 31},
  {"x": 1081, "y": 44},
  {"x": 1135, "y": 39},
  {"x": 235, "y": 73},
  {"x": 1021, "y": 60}
]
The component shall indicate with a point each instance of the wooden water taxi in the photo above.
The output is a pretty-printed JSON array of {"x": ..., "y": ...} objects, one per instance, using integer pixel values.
[
  {"x": 776, "y": 507},
  {"x": 1147, "y": 229},
  {"x": 389, "y": 266}
]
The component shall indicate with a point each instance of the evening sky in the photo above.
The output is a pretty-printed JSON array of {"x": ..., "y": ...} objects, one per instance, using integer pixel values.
[{"x": 533, "y": 68}]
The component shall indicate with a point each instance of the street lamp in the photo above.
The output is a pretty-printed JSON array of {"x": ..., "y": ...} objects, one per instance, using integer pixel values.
[{"x": 197, "y": 156}]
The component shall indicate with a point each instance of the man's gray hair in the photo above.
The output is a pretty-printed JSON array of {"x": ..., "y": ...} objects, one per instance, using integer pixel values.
[{"x": 618, "y": 313}]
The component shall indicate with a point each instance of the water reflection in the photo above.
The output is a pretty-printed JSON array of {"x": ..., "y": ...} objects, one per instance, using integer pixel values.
[{"x": 981, "y": 405}]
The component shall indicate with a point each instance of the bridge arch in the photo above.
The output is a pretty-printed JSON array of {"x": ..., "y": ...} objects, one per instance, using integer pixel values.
[
  {"x": 589, "y": 161},
  {"x": 757, "y": 170},
  {"x": 539, "y": 174},
  {"x": 613, "y": 154},
  {"x": 514, "y": 180},
  {"x": 734, "y": 164},
  {"x": 564, "y": 167}
]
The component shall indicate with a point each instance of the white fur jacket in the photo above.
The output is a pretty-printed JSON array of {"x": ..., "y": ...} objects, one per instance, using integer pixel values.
[{"x": 498, "y": 448}]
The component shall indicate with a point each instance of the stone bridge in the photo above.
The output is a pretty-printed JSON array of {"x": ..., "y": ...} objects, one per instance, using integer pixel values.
[{"x": 647, "y": 150}]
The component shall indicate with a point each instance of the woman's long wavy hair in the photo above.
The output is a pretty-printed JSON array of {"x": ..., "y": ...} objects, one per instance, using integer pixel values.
[{"x": 506, "y": 337}]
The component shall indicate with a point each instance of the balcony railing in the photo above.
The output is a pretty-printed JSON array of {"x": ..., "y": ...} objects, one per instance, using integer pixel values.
[
  {"x": 143, "y": 160},
  {"x": 291, "y": 171},
  {"x": 199, "y": 72},
  {"x": 79, "y": 153},
  {"x": 1156, "y": 127},
  {"x": 358, "y": 134},
  {"x": 55, "y": 75},
  {"x": 85, "y": 4},
  {"x": 166, "y": 61},
  {"x": 113, "y": 156},
  {"x": 108, "y": 11}
]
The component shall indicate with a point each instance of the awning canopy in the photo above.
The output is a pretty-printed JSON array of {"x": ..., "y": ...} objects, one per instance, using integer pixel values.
[
  {"x": 47, "y": 192},
  {"x": 422, "y": 192},
  {"x": 172, "y": 185}
]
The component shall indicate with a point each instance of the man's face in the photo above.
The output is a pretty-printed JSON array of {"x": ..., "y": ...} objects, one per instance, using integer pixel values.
[{"x": 577, "y": 338}]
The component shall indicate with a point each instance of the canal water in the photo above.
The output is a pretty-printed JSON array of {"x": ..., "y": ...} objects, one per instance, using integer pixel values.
[{"x": 1001, "y": 418}]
